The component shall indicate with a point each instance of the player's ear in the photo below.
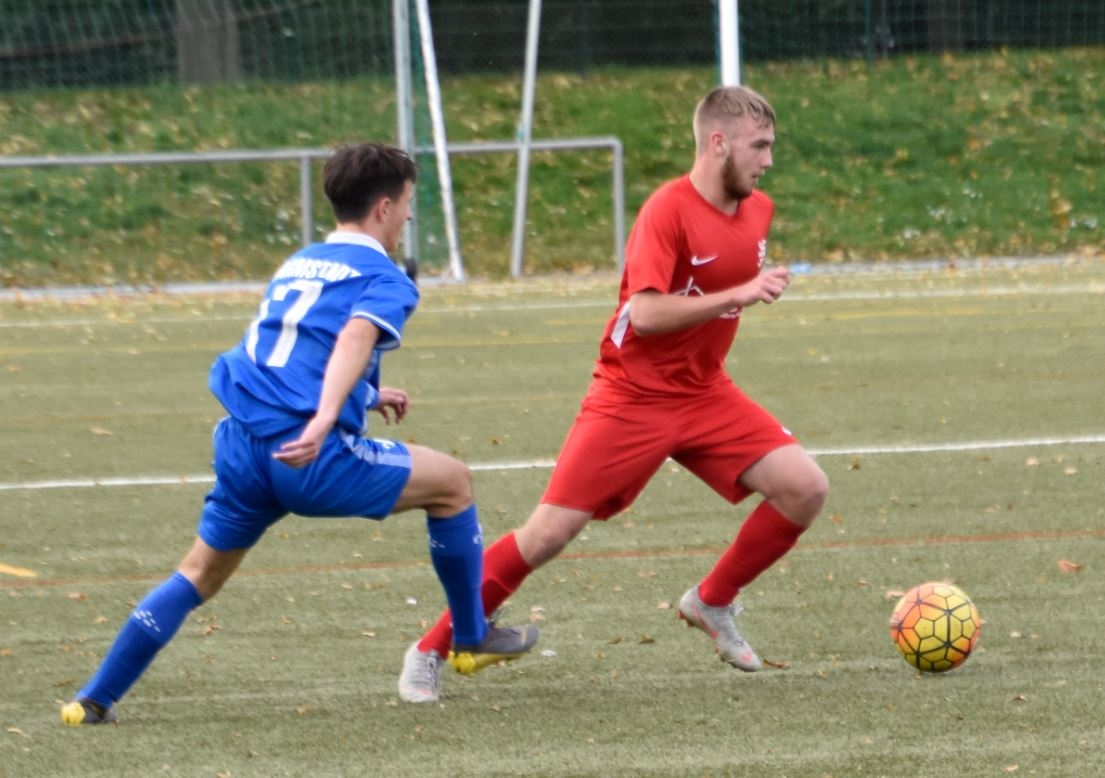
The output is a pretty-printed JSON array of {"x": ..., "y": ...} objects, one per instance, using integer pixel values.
[
  {"x": 719, "y": 142},
  {"x": 381, "y": 208}
]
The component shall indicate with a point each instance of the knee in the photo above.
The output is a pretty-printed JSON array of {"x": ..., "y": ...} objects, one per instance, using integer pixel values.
[
  {"x": 817, "y": 492},
  {"x": 458, "y": 489},
  {"x": 805, "y": 496}
]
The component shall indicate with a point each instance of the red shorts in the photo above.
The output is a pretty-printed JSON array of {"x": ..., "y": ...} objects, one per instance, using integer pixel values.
[{"x": 619, "y": 441}]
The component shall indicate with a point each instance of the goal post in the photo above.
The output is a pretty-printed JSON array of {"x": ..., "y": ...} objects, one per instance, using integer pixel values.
[
  {"x": 728, "y": 24},
  {"x": 431, "y": 238}
]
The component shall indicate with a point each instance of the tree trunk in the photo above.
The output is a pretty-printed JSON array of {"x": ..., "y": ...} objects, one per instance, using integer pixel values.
[
  {"x": 207, "y": 41},
  {"x": 946, "y": 25}
]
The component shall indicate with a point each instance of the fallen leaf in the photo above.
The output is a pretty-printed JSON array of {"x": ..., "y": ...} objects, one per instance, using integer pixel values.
[
  {"x": 1066, "y": 566},
  {"x": 100, "y": 431}
]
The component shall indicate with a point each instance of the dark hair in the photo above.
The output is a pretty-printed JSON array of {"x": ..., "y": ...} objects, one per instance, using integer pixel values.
[{"x": 356, "y": 177}]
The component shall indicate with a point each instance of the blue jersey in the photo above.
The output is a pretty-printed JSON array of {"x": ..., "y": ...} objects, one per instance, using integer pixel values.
[{"x": 272, "y": 380}]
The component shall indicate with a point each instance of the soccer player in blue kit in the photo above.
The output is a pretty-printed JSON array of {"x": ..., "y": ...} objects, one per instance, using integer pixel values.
[{"x": 297, "y": 390}]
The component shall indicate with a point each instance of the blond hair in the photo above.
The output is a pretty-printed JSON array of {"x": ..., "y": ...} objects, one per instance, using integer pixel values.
[{"x": 726, "y": 103}]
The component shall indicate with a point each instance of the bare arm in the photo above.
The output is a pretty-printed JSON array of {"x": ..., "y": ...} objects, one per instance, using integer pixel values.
[
  {"x": 655, "y": 313},
  {"x": 347, "y": 364}
]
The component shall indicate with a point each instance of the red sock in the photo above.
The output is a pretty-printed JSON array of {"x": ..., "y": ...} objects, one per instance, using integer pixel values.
[
  {"x": 762, "y": 540},
  {"x": 504, "y": 569}
]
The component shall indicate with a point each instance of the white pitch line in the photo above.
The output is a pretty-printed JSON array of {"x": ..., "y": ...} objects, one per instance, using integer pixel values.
[
  {"x": 544, "y": 464},
  {"x": 87, "y": 483},
  {"x": 1091, "y": 288},
  {"x": 976, "y": 445},
  {"x": 72, "y": 323}
]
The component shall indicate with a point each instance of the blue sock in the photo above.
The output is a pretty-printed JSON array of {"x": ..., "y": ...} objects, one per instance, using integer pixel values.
[
  {"x": 456, "y": 550},
  {"x": 151, "y": 625}
]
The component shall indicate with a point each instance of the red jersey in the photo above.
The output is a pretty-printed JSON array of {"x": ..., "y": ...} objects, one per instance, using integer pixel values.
[{"x": 682, "y": 244}]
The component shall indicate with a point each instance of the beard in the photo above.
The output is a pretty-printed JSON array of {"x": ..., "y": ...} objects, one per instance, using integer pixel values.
[{"x": 732, "y": 183}]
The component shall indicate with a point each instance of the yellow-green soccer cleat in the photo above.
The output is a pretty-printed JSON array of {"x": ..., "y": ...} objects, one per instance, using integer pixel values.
[
  {"x": 83, "y": 711},
  {"x": 501, "y": 644}
]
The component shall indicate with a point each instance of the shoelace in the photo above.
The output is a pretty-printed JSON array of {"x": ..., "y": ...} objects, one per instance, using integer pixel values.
[{"x": 430, "y": 665}]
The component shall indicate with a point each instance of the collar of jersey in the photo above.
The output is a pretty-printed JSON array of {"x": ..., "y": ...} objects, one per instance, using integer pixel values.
[{"x": 359, "y": 238}]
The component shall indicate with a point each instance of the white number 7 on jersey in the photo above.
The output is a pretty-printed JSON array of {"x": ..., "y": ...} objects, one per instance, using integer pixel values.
[{"x": 289, "y": 329}]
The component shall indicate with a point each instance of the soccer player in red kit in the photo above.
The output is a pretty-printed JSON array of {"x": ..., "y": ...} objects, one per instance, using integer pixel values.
[{"x": 694, "y": 264}]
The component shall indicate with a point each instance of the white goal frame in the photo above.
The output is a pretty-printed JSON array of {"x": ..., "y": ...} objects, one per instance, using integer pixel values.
[
  {"x": 405, "y": 128},
  {"x": 729, "y": 45},
  {"x": 523, "y": 143}
]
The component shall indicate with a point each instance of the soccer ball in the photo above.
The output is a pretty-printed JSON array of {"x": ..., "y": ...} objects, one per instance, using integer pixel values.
[{"x": 935, "y": 626}]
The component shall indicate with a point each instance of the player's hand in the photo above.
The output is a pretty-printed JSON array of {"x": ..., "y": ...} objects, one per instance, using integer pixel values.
[
  {"x": 392, "y": 401},
  {"x": 770, "y": 285},
  {"x": 304, "y": 450}
]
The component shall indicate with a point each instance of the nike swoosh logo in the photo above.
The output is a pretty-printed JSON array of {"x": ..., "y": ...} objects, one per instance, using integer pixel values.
[{"x": 696, "y": 260}]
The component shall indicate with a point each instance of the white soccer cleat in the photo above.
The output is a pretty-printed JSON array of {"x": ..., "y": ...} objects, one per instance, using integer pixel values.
[
  {"x": 420, "y": 680},
  {"x": 717, "y": 622}
]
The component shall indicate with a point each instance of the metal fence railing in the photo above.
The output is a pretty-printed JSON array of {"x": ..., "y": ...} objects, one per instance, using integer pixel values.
[
  {"x": 305, "y": 157},
  {"x": 123, "y": 161}
]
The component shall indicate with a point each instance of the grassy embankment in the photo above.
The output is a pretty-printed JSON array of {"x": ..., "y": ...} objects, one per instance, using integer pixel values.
[{"x": 983, "y": 155}]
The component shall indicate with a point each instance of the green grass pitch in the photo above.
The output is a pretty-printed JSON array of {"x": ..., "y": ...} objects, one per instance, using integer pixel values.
[{"x": 958, "y": 413}]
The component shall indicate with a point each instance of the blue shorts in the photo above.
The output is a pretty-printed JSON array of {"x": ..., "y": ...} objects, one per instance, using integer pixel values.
[{"x": 353, "y": 476}]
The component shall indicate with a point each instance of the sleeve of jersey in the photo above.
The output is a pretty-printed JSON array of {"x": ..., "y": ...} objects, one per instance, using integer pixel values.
[
  {"x": 387, "y": 302},
  {"x": 653, "y": 247}
]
